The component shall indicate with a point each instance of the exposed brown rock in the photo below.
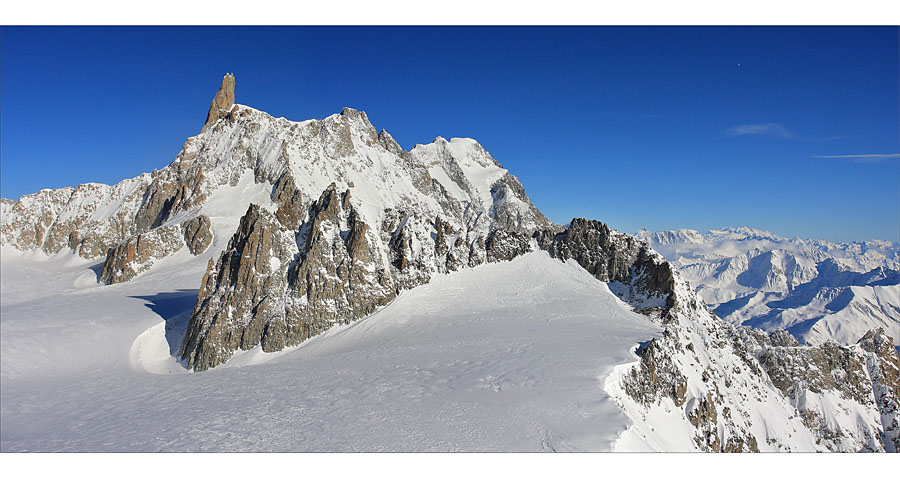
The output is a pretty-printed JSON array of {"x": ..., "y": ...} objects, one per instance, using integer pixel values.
[
  {"x": 287, "y": 196},
  {"x": 265, "y": 291},
  {"x": 168, "y": 194},
  {"x": 138, "y": 253},
  {"x": 197, "y": 234},
  {"x": 825, "y": 367},
  {"x": 613, "y": 257},
  {"x": 222, "y": 102},
  {"x": 227, "y": 314}
]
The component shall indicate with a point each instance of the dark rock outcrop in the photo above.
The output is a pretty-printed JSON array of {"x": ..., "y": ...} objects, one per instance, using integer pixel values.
[
  {"x": 338, "y": 276},
  {"x": 503, "y": 245},
  {"x": 138, "y": 253},
  {"x": 222, "y": 102},
  {"x": 238, "y": 292},
  {"x": 169, "y": 194},
  {"x": 591, "y": 243},
  {"x": 636, "y": 273},
  {"x": 287, "y": 196},
  {"x": 197, "y": 234},
  {"x": 275, "y": 286}
]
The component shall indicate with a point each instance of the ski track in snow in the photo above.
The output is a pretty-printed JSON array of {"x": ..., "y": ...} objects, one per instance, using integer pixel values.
[{"x": 508, "y": 356}]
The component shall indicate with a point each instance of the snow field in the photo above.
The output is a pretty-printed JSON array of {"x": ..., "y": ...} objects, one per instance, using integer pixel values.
[{"x": 505, "y": 357}]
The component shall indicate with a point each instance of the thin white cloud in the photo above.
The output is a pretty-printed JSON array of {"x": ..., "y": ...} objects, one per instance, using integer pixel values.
[
  {"x": 764, "y": 129},
  {"x": 862, "y": 158}
]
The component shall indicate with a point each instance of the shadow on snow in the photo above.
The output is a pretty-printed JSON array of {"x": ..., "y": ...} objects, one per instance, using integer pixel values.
[{"x": 175, "y": 308}]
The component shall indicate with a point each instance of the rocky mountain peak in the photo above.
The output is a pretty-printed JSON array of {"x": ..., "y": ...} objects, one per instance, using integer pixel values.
[{"x": 222, "y": 102}]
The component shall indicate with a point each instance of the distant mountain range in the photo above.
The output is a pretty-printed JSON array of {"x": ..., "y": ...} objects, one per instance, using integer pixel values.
[{"x": 817, "y": 290}]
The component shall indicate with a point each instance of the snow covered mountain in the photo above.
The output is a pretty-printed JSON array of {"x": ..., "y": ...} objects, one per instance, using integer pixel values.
[
  {"x": 817, "y": 290},
  {"x": 340, "y": 293}
]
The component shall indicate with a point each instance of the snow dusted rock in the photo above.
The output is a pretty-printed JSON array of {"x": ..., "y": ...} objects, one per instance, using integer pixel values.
[
  {"x": 248, "y": 280},
  {"x": 290, "y": 206},
  {"x": 173, "y": 190},
  {"x": 698, "y": 386},
  {"x": 606, "y": 254},
  {"x": 638, "y": 275},
  {"x": 883, "y": 365},
  {"x": 277, "y": 285},
  {"x": 813, "y": 378},
  {"x": 331, "y": 270},
  {"x": 712, "y": 393},
  {"x": 197, "y": 234},
  {"x": 88, "y": 219},
  {"x": 138, "y": 253}
]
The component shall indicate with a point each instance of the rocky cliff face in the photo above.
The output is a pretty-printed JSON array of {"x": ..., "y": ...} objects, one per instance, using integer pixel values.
[
  {"x": 237, "y": 291},
  {"x": 883, "y": 367},
  {"x": 138, "y": 253},
  {"x": 288, "y": 276},
  {"x": 222, "y": 103},
  {"x": 276, "y": 285},
  {"x": 88, "y": 219},
  {"x": 636, "y": 273}
]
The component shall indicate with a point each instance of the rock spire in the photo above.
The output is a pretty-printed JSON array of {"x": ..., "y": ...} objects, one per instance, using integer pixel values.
[{"x": 222, "y": 102}]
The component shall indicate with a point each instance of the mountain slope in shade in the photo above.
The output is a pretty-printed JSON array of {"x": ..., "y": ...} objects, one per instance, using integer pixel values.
[
  {"x": 817, "y": 290},
  {"x": 340, "y": 293}
]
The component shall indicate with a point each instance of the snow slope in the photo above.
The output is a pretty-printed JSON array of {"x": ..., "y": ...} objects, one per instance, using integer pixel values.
[
  {"x": 817, "y": 290},
  {"x": 509, "y": 356}
]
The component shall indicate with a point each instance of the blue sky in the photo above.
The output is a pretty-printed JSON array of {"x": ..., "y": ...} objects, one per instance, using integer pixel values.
[{"x": 709, "y": 127}]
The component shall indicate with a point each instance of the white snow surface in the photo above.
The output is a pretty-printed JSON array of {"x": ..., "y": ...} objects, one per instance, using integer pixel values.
[
  {"x": 508, "y": 356},
  {"x": 815, "y": 289}
]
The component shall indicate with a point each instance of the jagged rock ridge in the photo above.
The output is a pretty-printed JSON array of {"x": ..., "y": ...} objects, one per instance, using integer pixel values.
[
  {"x": 276, "y": 286},
  {"x": 138, "y": 253}
]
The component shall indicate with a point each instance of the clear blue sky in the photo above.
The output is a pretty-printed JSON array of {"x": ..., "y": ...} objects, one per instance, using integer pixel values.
[{"x": 655, "y": 127}]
